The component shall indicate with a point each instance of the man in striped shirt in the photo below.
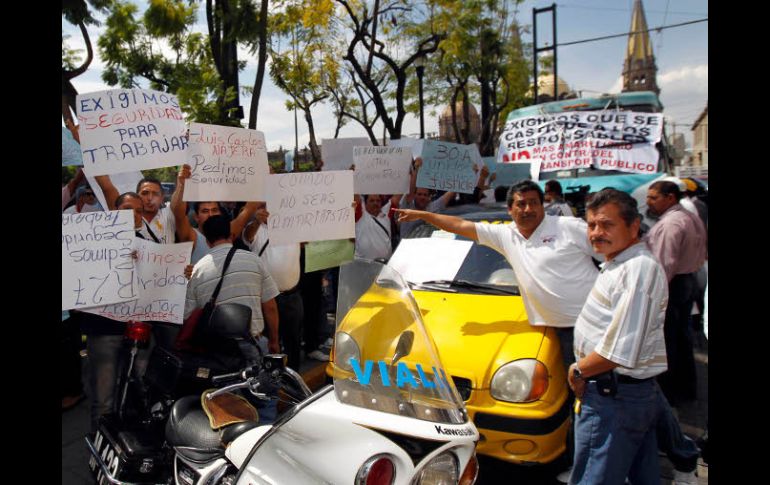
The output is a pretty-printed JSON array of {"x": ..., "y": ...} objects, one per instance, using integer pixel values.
[{"x": 619, "y": 349}]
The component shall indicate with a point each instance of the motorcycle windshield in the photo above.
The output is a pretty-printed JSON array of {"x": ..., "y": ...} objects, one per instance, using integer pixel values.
[{"x": 384, "y": 359}]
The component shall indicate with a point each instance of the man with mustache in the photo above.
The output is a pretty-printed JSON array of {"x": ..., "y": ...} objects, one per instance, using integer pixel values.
[{"x": 619, "y": 349}]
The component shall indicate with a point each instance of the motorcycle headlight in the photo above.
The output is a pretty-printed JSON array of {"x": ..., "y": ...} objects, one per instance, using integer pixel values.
[
  {"x": 520, "y": 381},
  {"x": 441, "y": 470},
  {"x": 345, "y": 348}
]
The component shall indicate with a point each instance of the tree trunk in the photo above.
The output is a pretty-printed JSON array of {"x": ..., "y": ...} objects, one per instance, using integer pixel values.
[
  {"x": 315, "y": 152},
  {"x": 262, "y": 62},
  {"x": 69, "y": 93}
]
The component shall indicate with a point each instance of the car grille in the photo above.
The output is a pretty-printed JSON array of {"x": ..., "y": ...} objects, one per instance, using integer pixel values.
[{"x": 463, "y": 386}]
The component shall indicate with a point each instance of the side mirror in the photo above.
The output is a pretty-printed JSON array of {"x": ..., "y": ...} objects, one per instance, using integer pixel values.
[{"x": 404, "y": 346}]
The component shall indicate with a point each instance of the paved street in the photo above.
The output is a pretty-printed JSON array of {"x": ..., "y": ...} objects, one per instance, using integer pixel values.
[{"x": 692, "y": 418}]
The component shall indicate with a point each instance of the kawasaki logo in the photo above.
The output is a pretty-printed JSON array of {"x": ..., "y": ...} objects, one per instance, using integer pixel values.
[{"x": 454, "y": 432}]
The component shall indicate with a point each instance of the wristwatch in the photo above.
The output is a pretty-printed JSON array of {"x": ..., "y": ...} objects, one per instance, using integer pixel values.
[{"x": 576, "y": 374}]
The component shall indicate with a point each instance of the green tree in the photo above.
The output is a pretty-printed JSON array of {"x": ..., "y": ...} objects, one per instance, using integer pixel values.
[
  {"x": 481, "y": 59},
  {"x": 77, "y": 12},
  {"x": 135, "y": 47},
  {"x": 302, "y": 65}
]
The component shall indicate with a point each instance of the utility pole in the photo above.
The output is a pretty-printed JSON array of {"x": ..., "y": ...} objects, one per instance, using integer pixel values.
[{"x": 537, "y": 49}]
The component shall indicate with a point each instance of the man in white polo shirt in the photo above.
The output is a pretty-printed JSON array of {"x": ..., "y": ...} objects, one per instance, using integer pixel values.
[
  {"x": 619, "y": 349},
  {"x": 550, "y": 255}
]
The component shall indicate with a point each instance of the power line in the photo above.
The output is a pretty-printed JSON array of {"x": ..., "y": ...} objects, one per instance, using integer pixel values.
[
  {"x": 625, "y": 9},
  {"x": 634, "y": 32}
]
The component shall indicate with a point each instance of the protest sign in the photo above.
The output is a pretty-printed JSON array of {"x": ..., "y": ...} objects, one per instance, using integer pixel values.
[
  {"x": 227, "y": 164},
  {"x": 159, "y": 282},
  {"x": 123, "y": 130},
  {"x": 327, "y": 254},
  {"x": 337, "y": 153},
  {"x": 426, "y": 259},
  {"x": 506, "y": 174},
  {"x": 608, "y": 140},
  {"x": 447, "y": 166},
  {"x": 382, "y": 170},
  {"x": 70, "y": 149},
  {"x": 414, "y": 143},
  {"x": 123, "y": 182},
  {"x": 310, "y": 206},
  {"x": 97, "y": 267}
]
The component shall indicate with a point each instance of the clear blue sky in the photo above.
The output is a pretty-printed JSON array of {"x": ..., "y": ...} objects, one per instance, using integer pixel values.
[{"x": 681, "y": 55}]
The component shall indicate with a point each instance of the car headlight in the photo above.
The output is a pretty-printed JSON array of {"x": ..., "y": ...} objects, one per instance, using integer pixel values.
[
  {"x": 520, "y": 381},
  {"x": 345, "y": 348},
  {"x": 441, "y": 470}
]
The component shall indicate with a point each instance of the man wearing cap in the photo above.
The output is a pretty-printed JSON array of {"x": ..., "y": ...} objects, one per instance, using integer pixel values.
[{"x": 678, "y": 241}]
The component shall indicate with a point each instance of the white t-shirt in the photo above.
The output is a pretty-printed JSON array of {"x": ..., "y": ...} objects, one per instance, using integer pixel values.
[
  {"x": 373, "y": 241},
  {"x": 558, "y": 209},
  {"x": 281, "y": 260},
  {"x": 163, "y": 225},
  {"x": 553, "y": 267}
]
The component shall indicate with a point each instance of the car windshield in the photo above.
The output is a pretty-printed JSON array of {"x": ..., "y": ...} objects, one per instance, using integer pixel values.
[
  {"x": 481, "y": 270},
  {"x": 385, "y": 359}
]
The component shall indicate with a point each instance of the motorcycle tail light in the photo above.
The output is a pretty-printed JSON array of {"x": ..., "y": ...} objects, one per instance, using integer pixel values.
[
  {"x": 377, "y": 470},
  {"x": 138, "y": 331},
  {"x": 471, "y": 472}
]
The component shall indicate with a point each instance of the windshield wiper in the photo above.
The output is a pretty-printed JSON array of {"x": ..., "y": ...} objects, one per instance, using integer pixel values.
[{"x": 471, "y": 285}]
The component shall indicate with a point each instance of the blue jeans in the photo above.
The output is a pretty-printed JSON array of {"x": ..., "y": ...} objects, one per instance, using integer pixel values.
[
  {"x": 680, "y": 449},
  {"x": 615, "y": 436}
]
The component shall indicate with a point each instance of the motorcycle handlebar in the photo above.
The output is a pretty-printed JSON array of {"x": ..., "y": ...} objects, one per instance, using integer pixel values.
[{"x": 241, "y": 375}]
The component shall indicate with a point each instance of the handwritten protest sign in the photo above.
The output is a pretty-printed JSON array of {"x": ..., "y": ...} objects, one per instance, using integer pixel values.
[
  {"x": 382, "y": 170},
  {"x": 123, "y": 182},
  {"x": 608, "y": 140},
  {"x": 337, "y": 153},
  {"x": 327, "y": 254},
  {"x": 447, "y": 166},
  {"x": 159, "y": 282},
  {"x": 310, "y": 206},
  {"x": 124, "y": 130},
  {"x": 414, "y": 143},
  {"x": 70, "y": 149},
  {"x": 228, "y": 164},
  {"x": 97, "y": 267}
]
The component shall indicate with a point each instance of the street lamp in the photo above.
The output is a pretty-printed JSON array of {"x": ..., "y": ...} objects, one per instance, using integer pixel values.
[{"x": 419, "y": 65}]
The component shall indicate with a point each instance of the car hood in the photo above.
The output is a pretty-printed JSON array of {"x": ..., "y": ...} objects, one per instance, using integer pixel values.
[{"x": 476, "y": 334}]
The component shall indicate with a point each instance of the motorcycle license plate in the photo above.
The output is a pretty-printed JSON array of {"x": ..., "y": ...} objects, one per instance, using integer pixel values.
[{"x": 109, "y": 455}]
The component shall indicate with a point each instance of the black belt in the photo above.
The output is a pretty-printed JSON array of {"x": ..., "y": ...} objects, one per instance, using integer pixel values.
[
  {"x": 290, "y": 291},
  {"x": 622, "y": 378}
]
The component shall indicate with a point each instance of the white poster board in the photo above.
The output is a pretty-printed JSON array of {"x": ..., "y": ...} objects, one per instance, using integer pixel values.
[
  {"x": 606, "y": 140},
  {"x": 227, "y": 164},
  {"x": 97, "y": 268},
  {"x": 123, "y": 130},
  {"x": 447, "y": 166},
  {"x": 310, "y": 206},
  {"x": 429, "y": 258},
  {"x": 414, "y": 143},
  {"x": 159, "y": 282},
  {"x": 382, "y": 170},
  {"x": 337, "y": 153}
]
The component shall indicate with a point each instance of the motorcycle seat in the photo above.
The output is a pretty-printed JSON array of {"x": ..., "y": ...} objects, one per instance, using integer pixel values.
[{"x": 189, "y": 431}]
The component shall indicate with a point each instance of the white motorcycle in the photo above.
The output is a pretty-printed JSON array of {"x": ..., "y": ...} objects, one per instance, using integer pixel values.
[{"x": 390, "y": 417}]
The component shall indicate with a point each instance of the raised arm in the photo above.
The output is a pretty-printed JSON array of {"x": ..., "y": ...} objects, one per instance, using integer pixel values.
[
  {"x": 451, "y": 224},
  {"x": 108, "y": 188},
  {"x": 184, "y": 229},
  {"x": 243, "y": 218},
  {"x": 413, "y": 179}
]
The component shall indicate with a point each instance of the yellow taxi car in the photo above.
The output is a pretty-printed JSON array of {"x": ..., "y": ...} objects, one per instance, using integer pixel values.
[{"x": 509, "y": 374}]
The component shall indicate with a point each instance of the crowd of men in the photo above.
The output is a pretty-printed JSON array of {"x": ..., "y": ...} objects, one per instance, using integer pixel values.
[{"x": 624, "y": 327}]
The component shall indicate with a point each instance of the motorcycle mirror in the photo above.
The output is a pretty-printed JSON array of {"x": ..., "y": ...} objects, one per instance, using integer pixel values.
[{"x": 403, "y": 347}]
